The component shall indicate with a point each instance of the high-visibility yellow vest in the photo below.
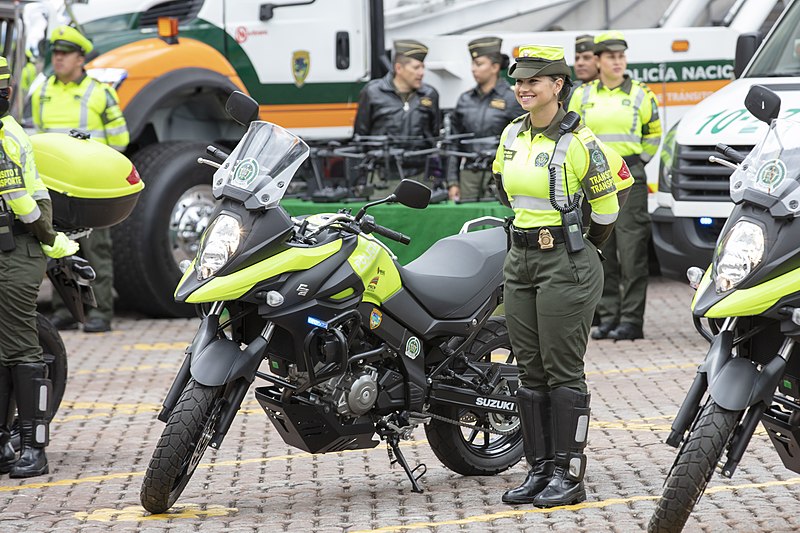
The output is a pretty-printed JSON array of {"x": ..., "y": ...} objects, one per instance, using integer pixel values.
[
  {"x": 20, "y": 185},
  {"x": 87, "y": 105},
  {"x": 625, "y": 118}
]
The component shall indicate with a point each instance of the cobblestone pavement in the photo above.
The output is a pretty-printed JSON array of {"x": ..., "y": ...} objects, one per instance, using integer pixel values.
[{"x": 105, "y": 432}]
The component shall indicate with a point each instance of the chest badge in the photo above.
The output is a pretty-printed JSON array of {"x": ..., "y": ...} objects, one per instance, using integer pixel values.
[
  {"x": 541, "y": 159},
  {"x": 497, "y": 103},
  {"x": 545, "y": 239}
]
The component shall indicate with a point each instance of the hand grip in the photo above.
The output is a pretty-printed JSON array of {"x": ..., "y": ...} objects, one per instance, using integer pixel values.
[
  {"x": 216, "y": 153},
  {"x": 391, "y": 234},
  {"x": 730, "y": 153}
]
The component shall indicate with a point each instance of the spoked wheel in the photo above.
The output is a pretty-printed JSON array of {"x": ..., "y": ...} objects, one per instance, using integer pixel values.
[
  {"x": 474, "y": 450},
  {"x": 693, "y": 468},
  {"x": 188, "y": 432},
  {"x": 55, "y": 357}
]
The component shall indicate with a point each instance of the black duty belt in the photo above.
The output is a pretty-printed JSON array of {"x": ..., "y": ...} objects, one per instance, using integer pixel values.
[
  {"x": 544, "y": 238},
  {"x": 632, "y": 160}
]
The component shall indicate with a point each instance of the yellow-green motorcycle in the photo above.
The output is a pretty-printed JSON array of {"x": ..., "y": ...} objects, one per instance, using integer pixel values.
[
  {"x": 349, "y": 343},
  {"x": 750, "y": 298}
]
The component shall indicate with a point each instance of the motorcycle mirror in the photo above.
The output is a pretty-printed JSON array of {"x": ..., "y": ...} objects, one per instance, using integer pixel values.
[
  {"x": 241, "y": 108},
  {"x": 762, "y": 103},
  {"x": 413, "y": 194}
]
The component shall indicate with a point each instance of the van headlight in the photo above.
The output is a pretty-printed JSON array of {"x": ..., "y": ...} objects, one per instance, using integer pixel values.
[
  {"x": 740, "y": 252},
  {"x": 220, "y": 242}
]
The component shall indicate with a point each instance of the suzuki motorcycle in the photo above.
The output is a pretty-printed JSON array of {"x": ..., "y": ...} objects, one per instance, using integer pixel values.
[
  {"x": 750, "y": 299},
  {"x": 357, "y": 348}
]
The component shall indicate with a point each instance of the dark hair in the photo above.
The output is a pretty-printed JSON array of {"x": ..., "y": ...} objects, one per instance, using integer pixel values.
[
  {"x": 565, "y": 89},
  {"x": 498, "y": 58}
]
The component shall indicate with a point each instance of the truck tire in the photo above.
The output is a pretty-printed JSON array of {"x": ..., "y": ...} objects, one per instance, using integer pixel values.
[{"x": 164, "y": 228}]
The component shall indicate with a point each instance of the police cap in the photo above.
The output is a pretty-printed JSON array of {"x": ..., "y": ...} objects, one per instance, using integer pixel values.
[
  {"x": 539, "y": 61},
  {"x": 5, "y": 73},
  {"x": 484, "y": 46},
  {"x": 584, "y": 43},
  {"x": 611, "y": 41},
  {"x": 410, "y": 48},
  {"x": 68, "y": 39}
]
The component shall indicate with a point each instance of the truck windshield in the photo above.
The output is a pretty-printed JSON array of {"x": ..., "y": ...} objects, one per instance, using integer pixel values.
[{"x": 780, "y": 55}]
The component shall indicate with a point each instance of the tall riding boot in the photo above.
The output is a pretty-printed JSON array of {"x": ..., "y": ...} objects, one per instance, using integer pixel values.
[
  {"x": 571, "y": 424},
  {"x": 535, "y": 419},
  {"x": 7, "y": 455},
  {"x": 32, "y": 390}
]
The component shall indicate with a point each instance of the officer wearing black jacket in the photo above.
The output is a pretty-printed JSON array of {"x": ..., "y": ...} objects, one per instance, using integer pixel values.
[
  {"x": 485, "y": 110},
  {"x": 399, "y": 105}
]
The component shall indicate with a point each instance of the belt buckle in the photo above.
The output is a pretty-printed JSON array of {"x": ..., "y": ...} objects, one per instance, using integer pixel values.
[{"x": 545, "y": 239}]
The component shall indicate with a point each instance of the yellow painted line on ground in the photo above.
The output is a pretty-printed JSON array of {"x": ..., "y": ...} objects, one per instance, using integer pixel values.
[
  {"x": 477, "y": 519},
  {"x": 181, "y": 345},
  {"x": 138, "y": 368},
  {"x": 257, "y": 460},
  {"x": 641, "y": 369},
  {"x": 136, "y": 513}
]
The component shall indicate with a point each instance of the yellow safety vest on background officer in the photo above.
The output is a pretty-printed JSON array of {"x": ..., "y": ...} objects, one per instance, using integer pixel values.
[
  {"x": 548, "y": 164},
  {"x": 70, "y": 99},
  {"x": 28, "y": 74},
  {"x": 26, "y": 236},
  {"x": 623, "y": 113}
]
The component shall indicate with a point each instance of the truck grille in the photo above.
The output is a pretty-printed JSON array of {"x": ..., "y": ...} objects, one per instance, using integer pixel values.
[{"x": 694, "y": 178}]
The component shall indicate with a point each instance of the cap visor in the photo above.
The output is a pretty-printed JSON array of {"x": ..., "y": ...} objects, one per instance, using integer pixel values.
[
  {"x": 612, "y": 48},
  {"x": 67, "y": 47},
  {"x": 522, "y": 73}
]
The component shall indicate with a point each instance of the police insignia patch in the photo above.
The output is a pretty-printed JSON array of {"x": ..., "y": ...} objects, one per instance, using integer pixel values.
[
  {"x": 301, "y": 64},
  {"x": 599, "y": 160},
  {"x": 626, "y": 102},
  {"x": 427, "y": 102},
  {"x": 771, "y": 174},
  {"x": 375, "y": 319},
  {"x": 541, "y": 159},
  {"x": 498, "y": 103}
]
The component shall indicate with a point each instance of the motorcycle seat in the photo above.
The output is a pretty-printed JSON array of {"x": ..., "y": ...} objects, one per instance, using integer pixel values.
[{"x": 458, "y": 273}]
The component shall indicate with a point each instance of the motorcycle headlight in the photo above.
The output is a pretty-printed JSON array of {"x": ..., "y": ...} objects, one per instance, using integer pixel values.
[
  {"x": 220, "y": 242},
  {"x": 741, "y": 251}
]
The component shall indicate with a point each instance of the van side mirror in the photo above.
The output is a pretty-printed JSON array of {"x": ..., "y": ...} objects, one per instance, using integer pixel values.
[
  {"x": 746, "y": 46},
  {"x": 413, "y": 194},
  {"x": 762, "y": 103},
  {"x": 241, "y": 108}
]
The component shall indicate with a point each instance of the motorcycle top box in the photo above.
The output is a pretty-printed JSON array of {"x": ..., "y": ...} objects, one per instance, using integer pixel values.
[{"x": 101, "y": 194}]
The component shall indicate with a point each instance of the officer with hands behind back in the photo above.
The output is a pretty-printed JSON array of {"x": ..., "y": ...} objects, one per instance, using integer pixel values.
[
  {"x": 70, "y": 99},
  {"x": 484, "y": 111},
  {"x": 26, "y": 237},
  {"x": 547, "y": 164}
]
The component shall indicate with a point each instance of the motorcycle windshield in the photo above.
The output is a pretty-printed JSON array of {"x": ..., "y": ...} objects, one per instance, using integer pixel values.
[
  {"x": 260, "y": 168},
  {"x": 773, "y": 167}
]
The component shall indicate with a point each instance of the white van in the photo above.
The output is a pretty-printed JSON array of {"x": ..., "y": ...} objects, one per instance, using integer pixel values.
[{"x": 693, "y": 201}]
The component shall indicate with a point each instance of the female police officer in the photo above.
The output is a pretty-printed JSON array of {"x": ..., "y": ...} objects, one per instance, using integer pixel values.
[
  {"x": 547, "y": 166},
  {"x": 484, "y": 111},
  {"x": 26, "y": 236}
]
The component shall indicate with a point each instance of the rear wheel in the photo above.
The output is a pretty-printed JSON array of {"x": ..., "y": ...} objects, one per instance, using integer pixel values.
[
  {"x": 693, "y": 468},
  {"x": 474, "y": 451},
  {"x": 188, "y": 432}
]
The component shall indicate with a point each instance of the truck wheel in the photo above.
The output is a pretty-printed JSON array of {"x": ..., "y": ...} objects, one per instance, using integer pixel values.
[{"x": 164, "y": 229}]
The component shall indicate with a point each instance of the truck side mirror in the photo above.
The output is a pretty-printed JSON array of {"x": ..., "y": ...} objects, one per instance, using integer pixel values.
[
  {"x": 746, "y": 46},
  {"x": 241, "y": 108},
  {"x": 762, "y": 103}
]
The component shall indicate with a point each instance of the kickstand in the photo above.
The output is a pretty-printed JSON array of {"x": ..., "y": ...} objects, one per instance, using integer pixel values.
[{"x": 396, "y": 456}]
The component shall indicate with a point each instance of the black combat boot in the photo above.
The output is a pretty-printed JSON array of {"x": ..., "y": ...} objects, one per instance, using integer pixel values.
[
  {"x": 32, "y": 390},
  {"x": 7, "y": 455},
  {"x": 534, "y": 416},
  {"x": 571, "y": 424}
]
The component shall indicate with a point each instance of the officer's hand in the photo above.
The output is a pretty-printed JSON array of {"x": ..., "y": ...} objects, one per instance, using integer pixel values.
[
  {"x": 454, "y": 193},
  {"x": 62, "y": 247}
]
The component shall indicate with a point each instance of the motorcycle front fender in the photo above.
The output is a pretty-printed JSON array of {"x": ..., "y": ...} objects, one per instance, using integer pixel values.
[
  {"x": 221, "y": 361},
  {"x": 736, "y": 383}
]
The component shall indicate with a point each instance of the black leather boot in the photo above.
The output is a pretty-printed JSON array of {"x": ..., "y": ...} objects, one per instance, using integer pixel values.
[
  {"x": 32, "y": 390},
  {"x": 7, "y": 455},
  {"x": 571, "y": 425},
  {"x": 534, "y": 416}
]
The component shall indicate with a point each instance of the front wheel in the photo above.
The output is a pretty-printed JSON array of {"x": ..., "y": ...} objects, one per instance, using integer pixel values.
[
  {"x": 185, "y": 438},
  {"x": 693, "y": 467},
  {"x": 474, "y": 451}
]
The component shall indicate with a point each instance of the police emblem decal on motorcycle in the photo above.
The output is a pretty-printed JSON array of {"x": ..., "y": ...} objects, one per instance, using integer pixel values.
[
  {"x": 302, "y": 289},
  {"x": 244, "y": 173},
  {"x": 541, "y": 159},
  {"x": 771, "y": 174},
  {"x": 375, "y": 319},
  {"x": 413, "y": 348}
]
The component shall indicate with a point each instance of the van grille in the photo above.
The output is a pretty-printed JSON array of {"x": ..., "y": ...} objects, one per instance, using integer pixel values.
[
  {"x": 183, "y": 10},
  {"x": 694, "y": 178}
]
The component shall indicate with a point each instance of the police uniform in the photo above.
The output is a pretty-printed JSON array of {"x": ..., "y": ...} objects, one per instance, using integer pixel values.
[
  {"x": 626, "y": 119},
  {"x": 28, "y": 74},
  {"x": 583, "y": 43},
  {"x": 26, "y": 236},
  {"x": 550, "y": 293},
  {"x": 412, "y": 118},
  {"x": 90, "y": 105},
  {"x": 484, "y": 115}
]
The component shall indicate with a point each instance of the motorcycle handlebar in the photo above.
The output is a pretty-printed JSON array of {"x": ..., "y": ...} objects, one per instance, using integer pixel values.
[
  {"x": 730, "y": 153},
  {"x": 216, "y": 153},
  {"x": 392, "y": 234}
]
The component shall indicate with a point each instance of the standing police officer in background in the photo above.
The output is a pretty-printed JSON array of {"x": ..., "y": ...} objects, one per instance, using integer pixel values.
[
  {"x": 585, "y": 66},
  {"x": 484, "y": 110},
  {"x": 400, "y": 105},
  {"x": 546, "y": 167},
  {"x": 26, "y": 236},
  {"x": 623, "y": 113},
  {"x": 70, "y": 99}
]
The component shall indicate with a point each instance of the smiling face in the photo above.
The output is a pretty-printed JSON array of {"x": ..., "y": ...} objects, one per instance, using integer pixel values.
[
  {"x": 537, "y": 93},
  {"x": 612, "y": 65}
]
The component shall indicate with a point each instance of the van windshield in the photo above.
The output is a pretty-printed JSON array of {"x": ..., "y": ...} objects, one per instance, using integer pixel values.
[{"x": 780, "y": 55}]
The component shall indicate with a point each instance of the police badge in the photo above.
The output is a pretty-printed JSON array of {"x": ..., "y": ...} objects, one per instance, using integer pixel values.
[{"x": 301, "y": 63}]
